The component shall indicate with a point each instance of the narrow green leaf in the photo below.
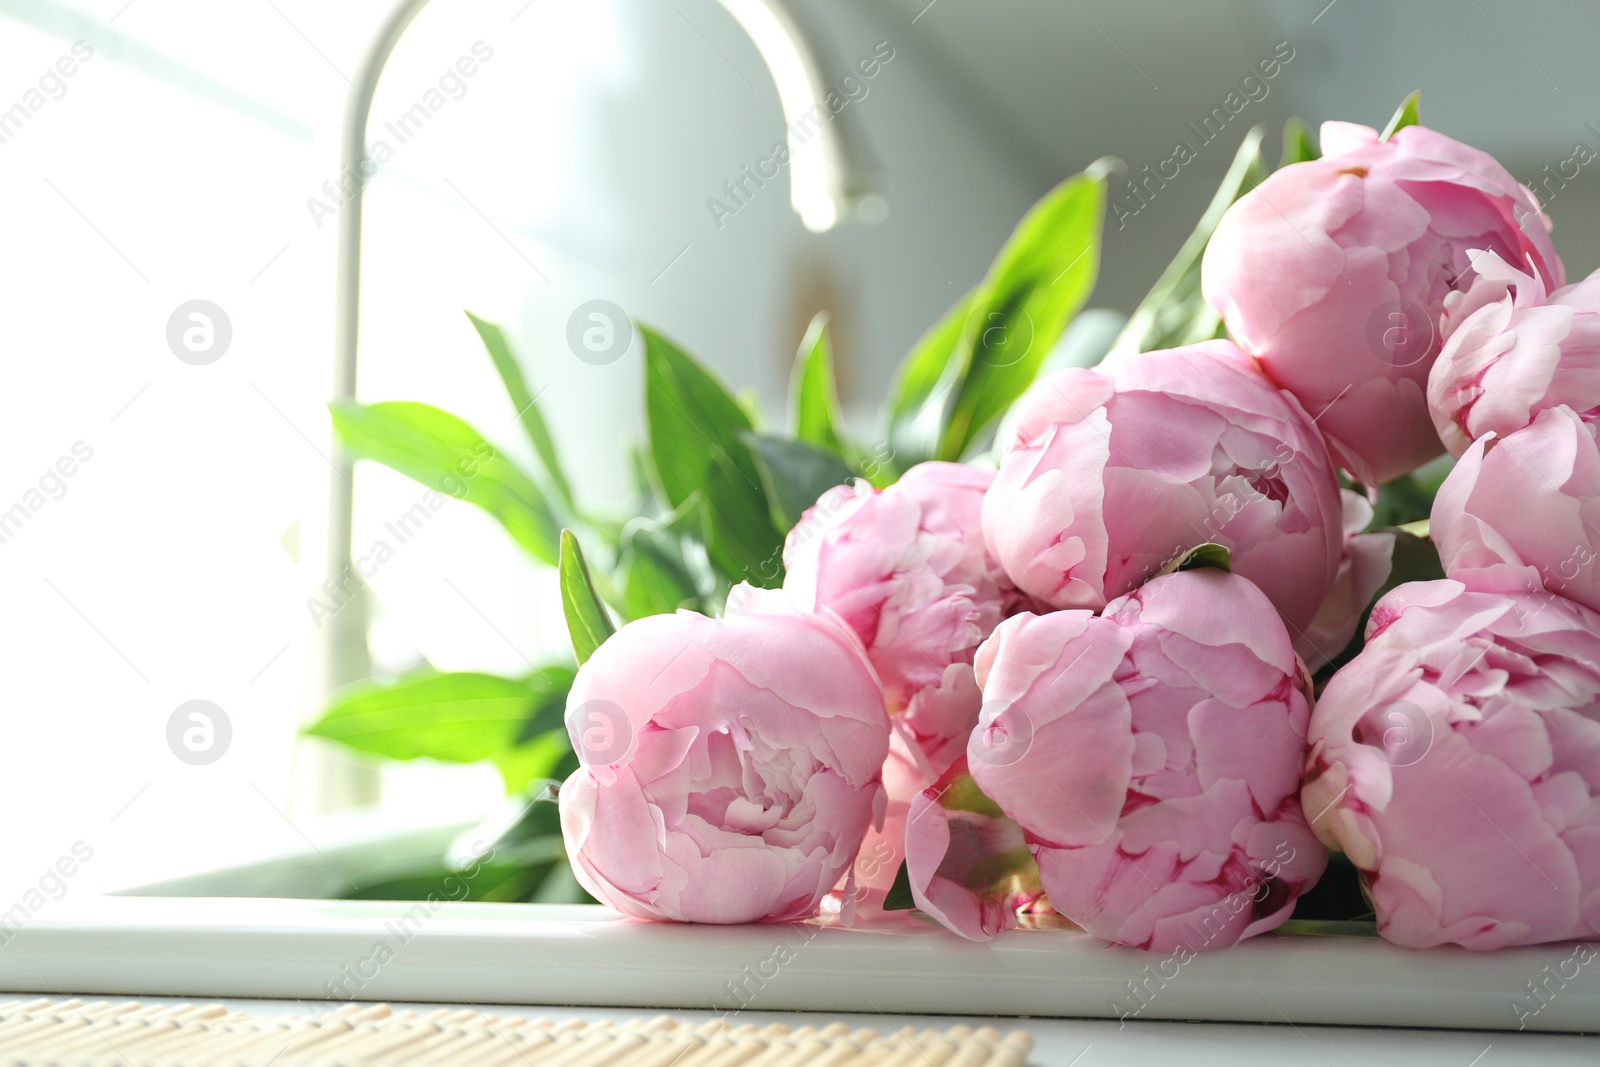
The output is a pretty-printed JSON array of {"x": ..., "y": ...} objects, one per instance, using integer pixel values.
[
  {"x": 795, "y": 475},
  {"x": 457, "y": 717},
  {"x": 815, "y": 396},
  {"x": 1209, "y": 554},
  {"x": 1405, "y": 115},
  {"x": 588, "y": 625},
  {"x": 1298, "y": 144},
  {"x": 697, "y": 446},
  {"x": 1037, "y": 283},
  {"x": 445, "y": 454},
  {"x": 527, "y": 408},
  {"x": 900, "y": 898},
  {"x": 1174, "y": 312}
]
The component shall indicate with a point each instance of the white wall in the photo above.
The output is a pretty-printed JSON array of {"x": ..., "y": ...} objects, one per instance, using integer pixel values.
[{"x": 177, "y": 165}]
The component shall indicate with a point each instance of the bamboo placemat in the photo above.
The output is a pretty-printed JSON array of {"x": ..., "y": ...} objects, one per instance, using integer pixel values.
[{"x": 127, "y": 1034}]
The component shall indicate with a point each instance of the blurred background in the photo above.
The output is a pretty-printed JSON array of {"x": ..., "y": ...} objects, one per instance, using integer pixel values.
[{"x": 191, "y": 154}]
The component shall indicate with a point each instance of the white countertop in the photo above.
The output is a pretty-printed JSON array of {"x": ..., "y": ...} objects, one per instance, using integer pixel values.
[{"x": 1275, "y": 999}]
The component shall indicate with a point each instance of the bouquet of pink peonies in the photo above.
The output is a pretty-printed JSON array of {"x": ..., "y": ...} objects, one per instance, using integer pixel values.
[
  {"x": 1130, "y": 641},
  {"x": 1079, "y": 679}
]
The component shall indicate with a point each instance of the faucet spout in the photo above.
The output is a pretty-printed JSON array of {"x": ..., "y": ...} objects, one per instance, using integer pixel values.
[
  {"x": 831, "y": 177},
  {"x": 830, "y": 182}
]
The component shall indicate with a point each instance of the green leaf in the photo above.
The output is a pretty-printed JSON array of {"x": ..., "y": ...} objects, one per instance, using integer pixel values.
[
  {"x": 640, "y": 479},
  {"x": 444, "y": 453},
  {"x": 566, "y": 766},
  {"x": 659, "y": 571},
  {"x": 1037, "y": 283},
  {"x": 987, "y": 349},
  {"x": 494, "y": 339},
  {"x": 588, "y": 625},
  {"x": 500, "y": 882},
  {"x": 815, "y": 397},
  {"x": 924, "y": 376},
  {"x": 1405, "y": 115},
  {"x": 458, "y": 717},
  {"x": 1209, "y": 554},
  {"x": 1404, "y": 500},
  {"x": 455, "y": 717},
  {"x": 1174, "y": 312},
  {"x": 795, "y": 475},
  {"x": 516, "y": 821},
  {"x": 1415, "y": 559},
  {"x": 1298, "y": 144},
  {"x": 900, "y": 898},
  {"x": 697, "y": 446},
  {"x": 1431, "y": 475},
  {"x": 518, "y": 829},
  {"x": 536, "y": 759},
  {"x": 548, "y": 712}
]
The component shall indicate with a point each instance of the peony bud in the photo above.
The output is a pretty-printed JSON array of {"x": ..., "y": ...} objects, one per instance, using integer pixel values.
[
  {"x": 730, "y": 768},
  {"x": 1335, "y": 273}
]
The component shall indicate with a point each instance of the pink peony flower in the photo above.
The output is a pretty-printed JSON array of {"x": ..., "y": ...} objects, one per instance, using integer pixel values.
[
  {"x": 1152, "y": 757},
  {"x": 1528, "y": 499},
  {"x": 907, "y": 570},
  {"x": 1368, "y": 559},
  {"x": 970, "y": 867},
  {"x": 1334, "y": 274},
  {"x": 926, "y": 739},
  {"x": 1514, "y": 351},
  {"x": 1456, "y": 761},
  {"x": 730, "y": 768},
  {"x": 1110, "y": 474}
]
